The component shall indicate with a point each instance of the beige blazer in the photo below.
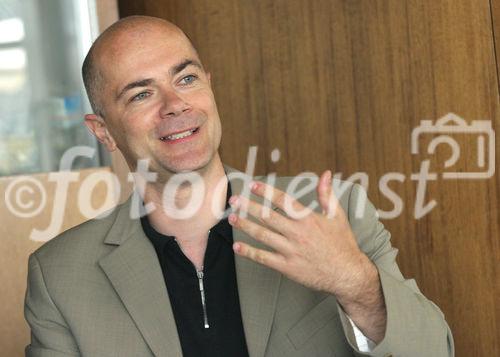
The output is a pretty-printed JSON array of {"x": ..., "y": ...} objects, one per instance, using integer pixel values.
[{"x": 98, "y": 290}]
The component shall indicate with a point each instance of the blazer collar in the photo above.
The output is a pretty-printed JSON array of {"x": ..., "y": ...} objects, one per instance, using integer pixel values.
[{"x": 135, "y": 273}]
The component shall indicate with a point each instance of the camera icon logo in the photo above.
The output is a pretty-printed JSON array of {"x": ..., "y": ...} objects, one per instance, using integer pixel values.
[{"x": 480, "y": 133}]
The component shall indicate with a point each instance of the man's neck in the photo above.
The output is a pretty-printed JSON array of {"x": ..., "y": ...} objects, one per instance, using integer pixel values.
[{"x": 173, "y": 216}]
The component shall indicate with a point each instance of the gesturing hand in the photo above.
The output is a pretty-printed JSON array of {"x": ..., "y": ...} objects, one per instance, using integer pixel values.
[{"x": 317, "y": 250}]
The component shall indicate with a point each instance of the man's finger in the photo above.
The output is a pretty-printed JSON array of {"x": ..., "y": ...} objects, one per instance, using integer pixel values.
[
  {"x": 265, "y": 214},
  {"x": 292, "y": 208},
  {"x": 273, "y": 240},
  {"x": 326, "y": 197},
  {"x": 271, "y": 260}
]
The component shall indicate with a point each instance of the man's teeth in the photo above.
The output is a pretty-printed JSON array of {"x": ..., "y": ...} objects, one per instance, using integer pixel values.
[{"x": 178, "y": 135}]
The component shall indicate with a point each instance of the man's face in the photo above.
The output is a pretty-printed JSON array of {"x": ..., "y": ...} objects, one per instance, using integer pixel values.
[{"x": 158, "y": 101}]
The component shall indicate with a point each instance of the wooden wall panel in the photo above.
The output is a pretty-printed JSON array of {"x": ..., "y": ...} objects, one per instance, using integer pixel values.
[
  {"x": 495, "y": 17},
  {"x": 340, "y": 84}
]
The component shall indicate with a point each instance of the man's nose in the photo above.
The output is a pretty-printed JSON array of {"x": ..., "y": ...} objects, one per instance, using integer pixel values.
[{"x": 173, "y": 104}]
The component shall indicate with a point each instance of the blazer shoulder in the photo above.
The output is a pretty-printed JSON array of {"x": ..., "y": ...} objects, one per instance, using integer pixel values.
[{"x": 78, "y": 240}]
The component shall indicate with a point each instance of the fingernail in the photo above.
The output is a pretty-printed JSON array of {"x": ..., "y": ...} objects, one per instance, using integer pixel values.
[
  {"x": 329, "y": 176},
  {"x": 232, "y": 218},
  {"x": 233, "y": 201},
  {"x": 254, "y": 185},
  {"x": 237, "y": 247}
]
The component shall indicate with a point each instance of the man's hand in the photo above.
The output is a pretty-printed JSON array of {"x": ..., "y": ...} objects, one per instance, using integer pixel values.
[{"x": 317, "y": 250}]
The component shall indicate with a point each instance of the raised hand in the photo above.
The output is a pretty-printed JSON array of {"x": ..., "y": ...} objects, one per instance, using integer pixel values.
[{"x": 317, "y": 250}]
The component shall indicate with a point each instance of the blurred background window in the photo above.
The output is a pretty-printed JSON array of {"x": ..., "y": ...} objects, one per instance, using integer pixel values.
[{"x": 42, "y": 99}]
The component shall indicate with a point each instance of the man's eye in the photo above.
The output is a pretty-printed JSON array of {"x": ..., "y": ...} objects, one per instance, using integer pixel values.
[
  {"x": 188, "y": 79},
  {"x": 140, "y": 96}
]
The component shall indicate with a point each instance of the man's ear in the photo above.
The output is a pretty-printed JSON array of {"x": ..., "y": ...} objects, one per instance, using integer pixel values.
[
  {"x": 97, "y": 126},
  {"x": 209, "y": 77}
]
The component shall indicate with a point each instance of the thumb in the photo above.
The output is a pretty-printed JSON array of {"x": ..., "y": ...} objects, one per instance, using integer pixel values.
[{"x": 326, "y": 196}]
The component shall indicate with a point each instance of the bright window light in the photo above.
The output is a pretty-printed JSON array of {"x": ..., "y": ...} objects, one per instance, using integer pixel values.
[
  {"x": 12, "y": 59},
  {"x": 11, "y": 30}
]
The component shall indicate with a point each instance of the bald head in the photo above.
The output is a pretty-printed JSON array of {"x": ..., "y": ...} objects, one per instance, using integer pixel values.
[{"x": 131, "y": 28}]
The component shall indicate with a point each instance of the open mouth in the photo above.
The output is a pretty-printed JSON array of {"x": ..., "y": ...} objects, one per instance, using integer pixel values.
[{"x": 181, "y": 135}]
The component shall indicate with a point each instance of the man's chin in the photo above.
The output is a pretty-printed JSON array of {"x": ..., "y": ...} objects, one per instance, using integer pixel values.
[{"x": 199, "y": 166}]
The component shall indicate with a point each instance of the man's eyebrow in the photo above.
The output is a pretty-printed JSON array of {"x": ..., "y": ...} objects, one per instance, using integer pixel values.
[
  {"x": 145, "y": 82},
  {"x": 132, "y": 85},
  {"x": 189, "y": 62}
]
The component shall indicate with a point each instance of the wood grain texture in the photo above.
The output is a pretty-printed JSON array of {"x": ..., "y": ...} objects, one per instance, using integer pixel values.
[
  {"x": 341, "y": 84},
  {"x": 495, "y": 19}
]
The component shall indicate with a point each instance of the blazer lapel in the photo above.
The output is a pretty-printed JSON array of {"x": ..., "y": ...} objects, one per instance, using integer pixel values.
[
  {"x": 258, "y": 289},
  {"x": 258, "y": 286},
  {"x": 133, "y": 270}
]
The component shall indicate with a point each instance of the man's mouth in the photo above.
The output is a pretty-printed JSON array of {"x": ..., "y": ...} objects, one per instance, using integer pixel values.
[{"x": 181, "y": 135}]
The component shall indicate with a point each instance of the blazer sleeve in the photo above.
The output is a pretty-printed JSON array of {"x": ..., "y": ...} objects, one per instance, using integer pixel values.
[
  {"x": 415, "y": 325},
  {"x": 50, "y": 335}
]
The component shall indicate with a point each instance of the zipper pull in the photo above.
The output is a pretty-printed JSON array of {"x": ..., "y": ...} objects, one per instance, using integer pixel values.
[{"x": 202, "y": 294}]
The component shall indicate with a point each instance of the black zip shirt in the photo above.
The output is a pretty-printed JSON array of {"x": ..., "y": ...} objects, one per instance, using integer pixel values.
[{"x": 214, "y": 328}]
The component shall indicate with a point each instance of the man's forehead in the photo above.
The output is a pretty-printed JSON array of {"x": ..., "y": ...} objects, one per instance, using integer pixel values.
[
  {"x": 140, "y": 38},
  {"x": 138, "y": 48}
]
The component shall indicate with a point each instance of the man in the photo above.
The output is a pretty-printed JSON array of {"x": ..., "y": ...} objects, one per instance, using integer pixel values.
[{"x": 274, "y": 283}]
